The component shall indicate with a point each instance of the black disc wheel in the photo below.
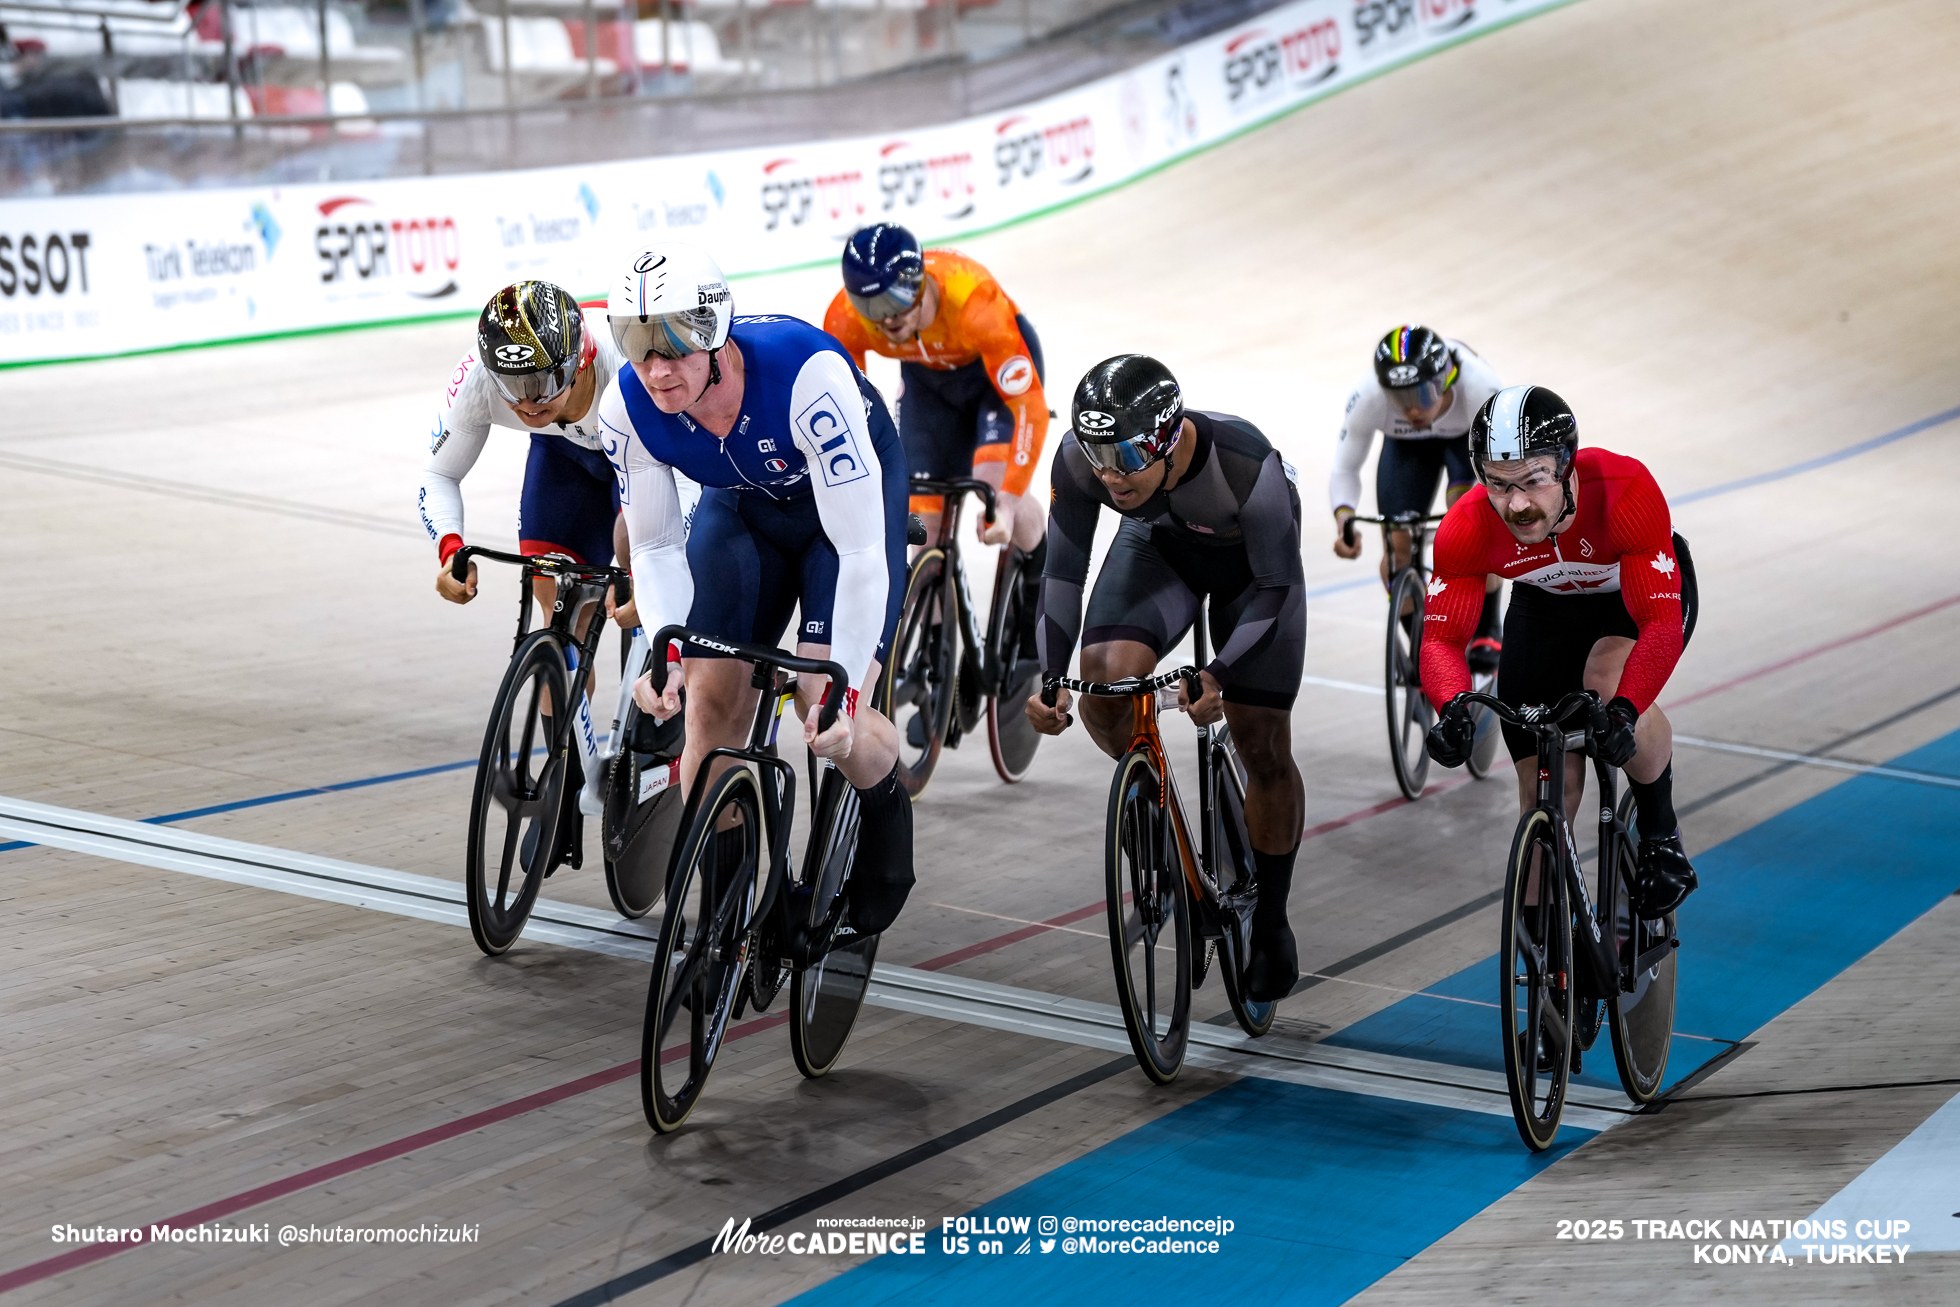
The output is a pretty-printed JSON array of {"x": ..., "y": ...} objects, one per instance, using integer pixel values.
[
  {"x": 642, "y": 821},
  {"x": 1409, "y": 714},
  {"x": 1642, "y": 1021},
  {"x": 1235, "y": 870},
  {"x": 704, "y": 945},
  {"x": 1535, "y": 980},
  {"x": 518, "y": 799},
  {"x": 1483, "y": 753},
  {"x": 1012, "y": 677},
  {"x": 825, "y": 998},
  {"x": 920, "y": 682},
  {"x": 1149, "y": 920}
]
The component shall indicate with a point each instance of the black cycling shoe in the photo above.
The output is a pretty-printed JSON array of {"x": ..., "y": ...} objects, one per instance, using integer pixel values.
[
  {"x": 915, "y": 730},
  {"x": 1483, "y": 654},
  {"x": 1274, "y": 967},
  {"x": 1665, "y": 877}
]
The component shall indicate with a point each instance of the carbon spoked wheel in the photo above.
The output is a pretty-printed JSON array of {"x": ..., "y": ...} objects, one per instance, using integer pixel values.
[
  {"x": 518, "y": 797},
  {"x": 642, "y": 820},
  {"x": 919, "y": 687},
  {"x": 1010, "y": 737},
  {"x": 1535, "y": 984},
  {"x": 1409, "y": 714},
  {"x": 704, "y": 946},
  {"x": 1149, "y": 920},
  {"x": 1483, "y": 754},
  {"x": 825, "y": 999},
  {"x": 1235, "y": 868},
  {"x": 1642, "y": 1021}
]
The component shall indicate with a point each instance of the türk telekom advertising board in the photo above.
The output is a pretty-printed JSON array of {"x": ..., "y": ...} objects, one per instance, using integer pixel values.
[{"x": 95, "y": 275}]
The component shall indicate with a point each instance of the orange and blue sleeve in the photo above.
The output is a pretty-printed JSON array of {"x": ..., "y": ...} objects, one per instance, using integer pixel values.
[
  {"x": 988, "y": 326},
  {"x": 847, "y": 325}
]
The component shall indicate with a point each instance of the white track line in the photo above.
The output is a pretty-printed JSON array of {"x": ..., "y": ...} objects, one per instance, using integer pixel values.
[
  {"x": 936, "y": 994},
  {"x": 1813, "y": 760},
  {"x": 402, "y": 893},
  {"x": 1353, "y": 687},
  {"x": 1724, "y": 746}
]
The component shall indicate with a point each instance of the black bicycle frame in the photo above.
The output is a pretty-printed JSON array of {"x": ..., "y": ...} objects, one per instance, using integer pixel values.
[
  {"x": 567, "y": 574},
  {"x": 772, "y": 670},
  {"x": 954, "y": 491},
  {"x": 1417, "y": 524},
  {"x": 1606, "y": 971}
]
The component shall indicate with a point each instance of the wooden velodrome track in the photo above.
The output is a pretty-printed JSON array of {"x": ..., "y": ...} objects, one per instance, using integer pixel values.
[{"x": 1723, "y": 232}]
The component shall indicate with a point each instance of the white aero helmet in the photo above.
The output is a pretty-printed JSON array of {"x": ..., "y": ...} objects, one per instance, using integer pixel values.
[{"x": 672, "y": 301}]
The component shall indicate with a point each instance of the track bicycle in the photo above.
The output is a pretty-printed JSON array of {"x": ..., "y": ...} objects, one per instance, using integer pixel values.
[
  {"x": 1568, "y": 962},
  {"x": 742, "y": 919},
  {"x": 943, "y": 674},
  {"x": 525, "y": 812},
  {"x": 1409, "y": 713},
  {"x": 1157, "y": 876}
]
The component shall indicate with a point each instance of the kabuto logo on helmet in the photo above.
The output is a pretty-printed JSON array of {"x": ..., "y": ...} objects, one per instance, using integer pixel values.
[
  {"x": 1404, "y": 374},
  {"x": 514, "y": 353},
  {"x": 1094, "y": 421},
  {"x": 648, "y": 262}
]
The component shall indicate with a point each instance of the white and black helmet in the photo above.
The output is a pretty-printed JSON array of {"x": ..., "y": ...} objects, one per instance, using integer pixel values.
[
  {"x": 1521, "y": 422},
  {"x": 672, "y": 301}
]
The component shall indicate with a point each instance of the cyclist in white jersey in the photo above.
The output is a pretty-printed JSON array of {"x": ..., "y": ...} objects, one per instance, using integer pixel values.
[
  {"x": 539, "y": 368},
  {"x": 1422, "y": 395}
]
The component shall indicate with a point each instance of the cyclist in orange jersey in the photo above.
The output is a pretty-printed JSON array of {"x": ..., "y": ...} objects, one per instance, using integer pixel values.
[{"x": 971, "y": 402}]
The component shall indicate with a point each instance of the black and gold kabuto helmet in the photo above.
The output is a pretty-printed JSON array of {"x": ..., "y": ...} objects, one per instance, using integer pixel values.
[{"x": 531, "y": 339}]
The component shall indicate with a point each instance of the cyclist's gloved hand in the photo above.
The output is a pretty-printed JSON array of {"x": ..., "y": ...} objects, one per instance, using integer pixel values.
[
  {"x": 1454, "y": 734},
  {"x": 1614, "y": 742}
]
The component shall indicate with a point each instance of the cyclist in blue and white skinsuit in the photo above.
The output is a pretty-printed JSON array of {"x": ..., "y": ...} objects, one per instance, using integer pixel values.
[{"x": 803, "y": 502}]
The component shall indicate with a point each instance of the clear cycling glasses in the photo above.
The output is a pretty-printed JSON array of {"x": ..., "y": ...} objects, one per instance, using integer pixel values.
[
  {"x": 1528, "y": 475},
  {"x": 537, "y": 387},
  {"x": 670, "y": 335},
  {"x": 1124, "y": 457}
]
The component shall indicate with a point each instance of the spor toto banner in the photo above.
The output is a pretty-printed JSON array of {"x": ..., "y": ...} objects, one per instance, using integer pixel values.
[{"x": 96, "y": 275}]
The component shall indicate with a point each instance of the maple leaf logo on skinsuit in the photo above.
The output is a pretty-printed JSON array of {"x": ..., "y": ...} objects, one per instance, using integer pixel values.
[
  {"x": 1663, "y": 564},
  {"x": 1437, "y": 585}
]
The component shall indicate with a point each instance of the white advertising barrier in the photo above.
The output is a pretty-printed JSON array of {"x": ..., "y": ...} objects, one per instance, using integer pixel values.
[{"x": 93, "y": 275}]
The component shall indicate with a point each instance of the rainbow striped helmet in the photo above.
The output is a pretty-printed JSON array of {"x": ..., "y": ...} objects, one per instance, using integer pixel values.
[{"x": 1415, "y": 365}]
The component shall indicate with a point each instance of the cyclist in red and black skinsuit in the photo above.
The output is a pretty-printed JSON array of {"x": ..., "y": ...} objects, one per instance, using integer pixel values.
[{"x": 1597, "y": 603}]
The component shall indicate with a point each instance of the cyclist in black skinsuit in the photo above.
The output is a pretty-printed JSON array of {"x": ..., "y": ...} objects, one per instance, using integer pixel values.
[{"x": 1209, "y": 509}]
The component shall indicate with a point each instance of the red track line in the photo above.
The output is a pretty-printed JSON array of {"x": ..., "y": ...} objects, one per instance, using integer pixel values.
[
  {"x": 1074, "y": 915},
  {"x": 318, "y": 1175},
  {"x": 544, "y": 1098},
  {"x": 1808, "y": 654}
]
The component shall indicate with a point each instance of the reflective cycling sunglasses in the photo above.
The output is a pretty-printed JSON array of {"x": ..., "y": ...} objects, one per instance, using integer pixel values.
[
  {"x": 1417, "y": 398},
  {"x": 1124, "y": 457},
  {"x": 670, "y": 335},
  {"x": 892, "y": 302},
  {"x": 537, "y": 387}
]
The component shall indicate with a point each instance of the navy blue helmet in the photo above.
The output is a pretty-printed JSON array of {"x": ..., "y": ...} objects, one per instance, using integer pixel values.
[{"x": 883, "y": 270}]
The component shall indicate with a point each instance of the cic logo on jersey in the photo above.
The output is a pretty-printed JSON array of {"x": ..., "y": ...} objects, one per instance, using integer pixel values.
[{"x": 833, "y": 448}]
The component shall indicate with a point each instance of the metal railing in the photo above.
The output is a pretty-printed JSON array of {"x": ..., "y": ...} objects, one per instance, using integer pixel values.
[{"x": 79, "y": 155}]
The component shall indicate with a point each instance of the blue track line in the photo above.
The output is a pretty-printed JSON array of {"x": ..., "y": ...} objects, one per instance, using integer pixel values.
[
  {"x": 1744, "y": 483},
  {"x": 1693, "y": 496},
  {"x": 262, "y": 800},
  {"x": 1332, "y": 1191},
  {"x": 1823, "y": 460}
]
